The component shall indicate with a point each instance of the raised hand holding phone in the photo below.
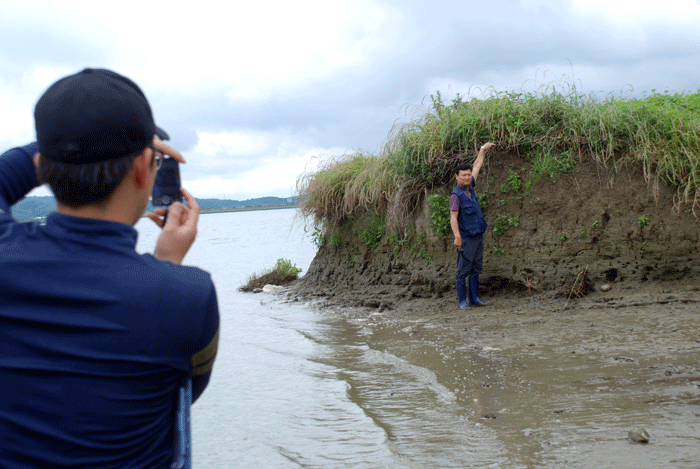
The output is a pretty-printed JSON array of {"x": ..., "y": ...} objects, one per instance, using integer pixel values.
[
  {"x": 180, "y": 228},
  {"x": 179, "y": 231}
]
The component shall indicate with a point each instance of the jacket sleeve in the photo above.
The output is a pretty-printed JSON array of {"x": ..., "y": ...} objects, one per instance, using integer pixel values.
[
  {"x": 203, "y": 359},
  {"x": 17, "y": 176}
]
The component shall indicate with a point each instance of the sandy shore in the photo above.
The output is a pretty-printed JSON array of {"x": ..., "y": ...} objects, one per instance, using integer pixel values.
[{"x": 562, "y": 380}]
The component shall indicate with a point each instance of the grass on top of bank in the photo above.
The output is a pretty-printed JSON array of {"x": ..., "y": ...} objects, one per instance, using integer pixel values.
[{"x": 552, "y": 129}]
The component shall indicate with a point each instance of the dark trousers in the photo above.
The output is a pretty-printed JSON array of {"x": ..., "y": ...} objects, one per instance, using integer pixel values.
[{"x": 470, "y": 259}]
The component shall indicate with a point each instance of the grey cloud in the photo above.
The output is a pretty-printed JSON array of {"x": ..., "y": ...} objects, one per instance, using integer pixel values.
[{"x": 495, "y": 43}]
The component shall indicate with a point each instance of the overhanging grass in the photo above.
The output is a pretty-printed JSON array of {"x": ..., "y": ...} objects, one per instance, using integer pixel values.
[
  {"x": 346, "y": 185},
  {"x": 551, "y": 128}
]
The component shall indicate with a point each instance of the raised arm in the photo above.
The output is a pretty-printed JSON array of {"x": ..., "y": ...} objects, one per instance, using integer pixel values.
[
  {"x": 17, "y": 176},
  {"x": 476, "y": 167}
]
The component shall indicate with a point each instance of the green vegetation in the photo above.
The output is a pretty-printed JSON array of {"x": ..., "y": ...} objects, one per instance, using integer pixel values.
[
  {"x": 483, "y": 199},
  {"x": 501, "y": 225},
  {"x": 283, "y": 273},
  {"x": 643, "y": 221},
  {"x": 395, "y": 240},
  {"x": 420, "y": 249},
  {"x": 318, "y": 237},
  {"x": 514, "y": 181},
  {"x": 439, "y": 206},
  {"x": 552, "y": 129},
  {"x": 335, "y": 240},
  {"x": 373, "y": 234}
]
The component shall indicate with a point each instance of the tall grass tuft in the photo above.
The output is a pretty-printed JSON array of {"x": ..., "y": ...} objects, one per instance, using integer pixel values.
[
  {"x": 553, "y": 128},
  {"x": 282, "y": 273},
  {"x": 345, "y": 185}
]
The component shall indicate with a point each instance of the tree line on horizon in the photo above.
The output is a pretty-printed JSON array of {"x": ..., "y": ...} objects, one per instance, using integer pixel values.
[{"x": 40, "y": 206}]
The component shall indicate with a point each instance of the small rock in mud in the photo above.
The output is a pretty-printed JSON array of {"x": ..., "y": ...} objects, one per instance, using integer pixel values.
[
  {"x": 605, "y": 287},
  {"x": 488, "y": 416},
  {"x": 638, "y": 435}
]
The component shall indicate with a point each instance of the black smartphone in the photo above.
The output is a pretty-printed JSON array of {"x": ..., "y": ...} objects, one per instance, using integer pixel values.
[{"x": 166, "y": 189}]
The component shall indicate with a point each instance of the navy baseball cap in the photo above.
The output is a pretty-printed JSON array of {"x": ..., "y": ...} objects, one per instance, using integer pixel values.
[{"x": 92, "y": 116}]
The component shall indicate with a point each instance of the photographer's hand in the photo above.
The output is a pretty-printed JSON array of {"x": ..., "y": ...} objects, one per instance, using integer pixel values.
[
  {"x": 166, "y": 149},
  {"x": 179, "y": 231},
  {"x": 169, "y": 151}
]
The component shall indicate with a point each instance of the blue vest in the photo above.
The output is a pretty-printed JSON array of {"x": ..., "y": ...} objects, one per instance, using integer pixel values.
[{"x": 471, "y": 220}]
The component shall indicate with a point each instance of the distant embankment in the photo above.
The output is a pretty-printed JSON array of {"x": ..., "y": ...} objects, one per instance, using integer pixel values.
[{"x": 39, "y": 207}]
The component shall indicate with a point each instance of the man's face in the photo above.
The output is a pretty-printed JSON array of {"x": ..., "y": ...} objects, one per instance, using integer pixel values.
[{"x": 464, "y": 177}]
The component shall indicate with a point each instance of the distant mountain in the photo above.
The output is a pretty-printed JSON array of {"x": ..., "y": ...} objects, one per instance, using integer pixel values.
[
  {"x": 38, "y": 207},
  {"x": 206, "y": 204}
]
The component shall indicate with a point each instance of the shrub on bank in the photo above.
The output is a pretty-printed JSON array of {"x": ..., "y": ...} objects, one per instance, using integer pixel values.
[
  {"x": 282, "y": 273},
  {"x": 551, "y": 129}
]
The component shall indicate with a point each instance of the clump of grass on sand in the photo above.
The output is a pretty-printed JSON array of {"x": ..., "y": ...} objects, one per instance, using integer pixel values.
[
  {"x": 552, "y": 129},
  {"x": 282, "y": 273}
]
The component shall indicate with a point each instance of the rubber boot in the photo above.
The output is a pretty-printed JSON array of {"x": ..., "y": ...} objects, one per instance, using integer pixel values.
[
  {"x": 462, "y": 293},
  {"x": 474, "y": 291}
]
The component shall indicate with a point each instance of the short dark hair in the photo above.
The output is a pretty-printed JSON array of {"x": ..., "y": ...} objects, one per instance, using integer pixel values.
[
  {"x": 86, "y": 184},
  {"x": 462, "y": 167}
]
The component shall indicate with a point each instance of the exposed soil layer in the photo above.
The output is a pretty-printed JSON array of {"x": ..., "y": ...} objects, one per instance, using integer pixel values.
[{"x": 597, "y": 226}]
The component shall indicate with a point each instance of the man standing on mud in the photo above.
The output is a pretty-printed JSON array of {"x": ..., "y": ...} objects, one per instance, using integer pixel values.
[
  {"x": 95, "y": 339},
  {"x": 468, "y": 225}
]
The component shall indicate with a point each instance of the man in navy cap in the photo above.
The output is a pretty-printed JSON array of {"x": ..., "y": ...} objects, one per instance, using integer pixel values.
[{"x": 95, "y": 339}]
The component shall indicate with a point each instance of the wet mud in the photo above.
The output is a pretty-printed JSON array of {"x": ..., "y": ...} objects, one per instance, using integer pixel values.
[{"x": 562, "y": 381}]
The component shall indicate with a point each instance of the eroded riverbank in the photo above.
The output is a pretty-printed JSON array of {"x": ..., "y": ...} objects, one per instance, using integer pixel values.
[{"x": 560, "y": 381}]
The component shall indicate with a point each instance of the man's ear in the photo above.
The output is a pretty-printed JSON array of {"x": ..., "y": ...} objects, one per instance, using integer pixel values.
[
  {"x": 35, "y": 159},
  {"x": 141, "y": 168}
]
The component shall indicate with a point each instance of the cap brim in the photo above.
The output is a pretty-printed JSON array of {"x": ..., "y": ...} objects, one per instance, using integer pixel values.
[{"x": 162, "y": 134}]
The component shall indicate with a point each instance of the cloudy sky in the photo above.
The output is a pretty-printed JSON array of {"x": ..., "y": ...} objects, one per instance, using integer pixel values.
[{"x": 256, "y": 93}]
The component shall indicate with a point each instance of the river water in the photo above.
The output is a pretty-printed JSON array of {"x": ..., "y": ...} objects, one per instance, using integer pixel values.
[{"x": 294, "y": 387}]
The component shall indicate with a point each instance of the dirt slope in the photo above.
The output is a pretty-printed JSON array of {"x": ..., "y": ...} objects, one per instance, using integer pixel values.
[{"x": 573, "y": 235}]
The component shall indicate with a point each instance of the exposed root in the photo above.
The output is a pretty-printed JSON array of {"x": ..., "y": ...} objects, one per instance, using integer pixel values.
[
  {"x": 581, "y": 287},
  {"x": 403, "y": 204}
]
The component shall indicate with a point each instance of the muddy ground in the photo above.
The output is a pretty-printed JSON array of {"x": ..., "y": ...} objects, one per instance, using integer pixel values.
[{"x": 562, "y": 380}]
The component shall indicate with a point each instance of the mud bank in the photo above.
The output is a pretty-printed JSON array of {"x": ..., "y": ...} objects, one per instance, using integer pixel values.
[
  {"x": 572, "y": 234},
  {"x": 568, "y": 369}
]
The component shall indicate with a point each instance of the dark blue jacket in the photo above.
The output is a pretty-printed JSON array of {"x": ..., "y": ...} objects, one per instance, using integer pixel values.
[
  {"x": 471, "y": 220},
  {"x": 95, "y": 339}
]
